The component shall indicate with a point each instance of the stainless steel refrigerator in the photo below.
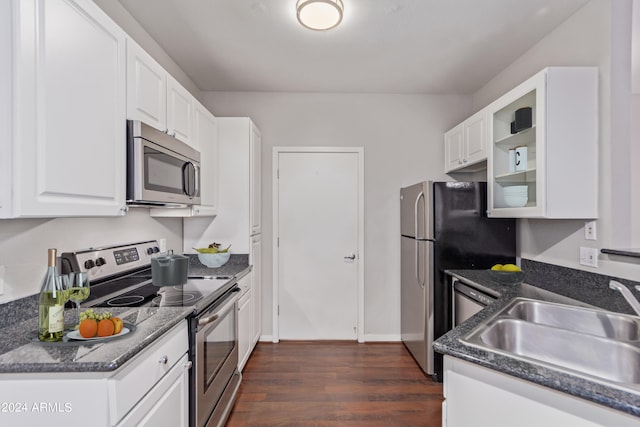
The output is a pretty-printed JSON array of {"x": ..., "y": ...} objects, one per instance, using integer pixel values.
[{"x": 444, "y": 225}]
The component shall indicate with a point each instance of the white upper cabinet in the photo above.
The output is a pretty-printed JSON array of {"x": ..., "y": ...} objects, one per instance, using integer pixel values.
[
  {"x": 256, "y": 180},
  {"x": 206, "y": 141},
  {"x": 544, "y": 147},
  {"x": 68, "y": 132},
  {"x": 179, "y": 111},
  {"x": 155, "y": 97},
  {"x": 146, "y": 88},
  {"x": 466, "y": 145}
]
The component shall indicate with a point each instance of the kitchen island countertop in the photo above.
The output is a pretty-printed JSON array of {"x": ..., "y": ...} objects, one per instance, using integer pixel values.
[{"x": 450, "y": 344}]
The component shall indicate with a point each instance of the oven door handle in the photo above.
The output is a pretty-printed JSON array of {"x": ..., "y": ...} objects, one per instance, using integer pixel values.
[{"x": 203, "y": 321}]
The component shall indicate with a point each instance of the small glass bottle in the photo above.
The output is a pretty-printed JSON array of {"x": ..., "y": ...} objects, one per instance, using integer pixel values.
[{"x": 52, "y": 300}]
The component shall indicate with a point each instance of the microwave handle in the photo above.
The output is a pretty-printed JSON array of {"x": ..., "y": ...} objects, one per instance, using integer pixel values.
[
  {"x": 187, "y": 188},
  {"x": 197, "y": 183}
]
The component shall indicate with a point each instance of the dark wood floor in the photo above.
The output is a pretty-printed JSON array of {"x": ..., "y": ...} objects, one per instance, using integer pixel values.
[{"x": 335, "y": 384}]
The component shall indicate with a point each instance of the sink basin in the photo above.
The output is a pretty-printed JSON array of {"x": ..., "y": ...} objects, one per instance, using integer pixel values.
[
  {"x": 608, "y": 359},
  {"x": 588, "y": 321},
  {"x": 591, "y": 343}
]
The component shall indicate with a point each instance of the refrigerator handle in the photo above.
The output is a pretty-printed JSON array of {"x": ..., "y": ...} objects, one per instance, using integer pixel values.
[
  {"x": 415, "y": 215},
  {"x": 420, "y": 196},
  {"x": 420, "y": 281}
]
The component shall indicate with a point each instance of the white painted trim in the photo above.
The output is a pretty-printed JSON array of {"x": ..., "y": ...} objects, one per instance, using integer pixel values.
[
  {"x": 276, "y": 232},
  {"x": 382, "y": 338}
]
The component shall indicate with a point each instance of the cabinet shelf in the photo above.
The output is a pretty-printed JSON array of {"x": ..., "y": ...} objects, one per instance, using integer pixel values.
[
  {"x": 528, "y": 175},
  {"x": 521, "y": 138}
]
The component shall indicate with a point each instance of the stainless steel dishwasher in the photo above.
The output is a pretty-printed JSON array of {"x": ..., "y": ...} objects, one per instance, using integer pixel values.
[{"x": 467, "y": 301}]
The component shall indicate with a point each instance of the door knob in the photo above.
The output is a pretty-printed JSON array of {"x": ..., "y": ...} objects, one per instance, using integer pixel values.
[{"x": 351, "y": 257}]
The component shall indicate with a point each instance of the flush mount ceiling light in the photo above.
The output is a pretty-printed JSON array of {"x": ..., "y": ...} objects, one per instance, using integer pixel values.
[{"x": 319, "y": 14}]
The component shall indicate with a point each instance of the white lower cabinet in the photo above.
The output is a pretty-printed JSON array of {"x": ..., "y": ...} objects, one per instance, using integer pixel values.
[
  {"x": 167, "y": 404},
  {"x": 245, "y": 326},
  {"x": 478, "y": 396},
  {"x": 248, "y": 318},
  {"x": 149, "y": 390},
  {"x": 256, "y": 286}
]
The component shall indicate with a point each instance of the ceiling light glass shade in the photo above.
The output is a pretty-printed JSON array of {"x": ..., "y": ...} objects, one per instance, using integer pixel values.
[{"x": 319, "y": 14}]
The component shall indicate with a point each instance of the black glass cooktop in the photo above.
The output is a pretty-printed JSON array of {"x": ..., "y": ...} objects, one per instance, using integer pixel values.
[{"x": 137, "y": 290}]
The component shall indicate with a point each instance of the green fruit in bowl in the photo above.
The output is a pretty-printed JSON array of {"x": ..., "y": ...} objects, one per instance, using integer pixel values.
[{"x": 213, "y": 248}]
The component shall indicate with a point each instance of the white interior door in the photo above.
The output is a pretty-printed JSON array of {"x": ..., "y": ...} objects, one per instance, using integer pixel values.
[{"x": 318, "y": 226}]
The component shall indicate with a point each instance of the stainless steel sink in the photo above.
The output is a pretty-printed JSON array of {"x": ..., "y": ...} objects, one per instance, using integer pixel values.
[
  {"x": 588, "y": 321},
  {"x": 590, "y": 343}
]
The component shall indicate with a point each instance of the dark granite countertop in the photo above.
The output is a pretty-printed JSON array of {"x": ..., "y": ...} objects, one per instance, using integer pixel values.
[
  {"x": 563, "y": 285},
  {"x": 236, "y": 266},
  {"x": 21, "y": 352}
]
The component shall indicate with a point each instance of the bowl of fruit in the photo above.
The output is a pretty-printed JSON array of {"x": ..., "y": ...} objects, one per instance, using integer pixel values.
[
  {"x": 213, "y": 256},
  {"x": 507, "y": 274}
]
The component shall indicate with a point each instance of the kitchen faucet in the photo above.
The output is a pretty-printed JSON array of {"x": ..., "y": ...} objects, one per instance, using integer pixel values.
[{"x": 626, "y": 293}]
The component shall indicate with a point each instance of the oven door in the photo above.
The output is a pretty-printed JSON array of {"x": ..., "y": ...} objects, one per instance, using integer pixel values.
[{"x": 216, "y": 360}]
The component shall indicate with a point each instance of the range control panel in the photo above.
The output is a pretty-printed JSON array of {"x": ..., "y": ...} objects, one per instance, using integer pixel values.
[{"x": 109, "y": 261}]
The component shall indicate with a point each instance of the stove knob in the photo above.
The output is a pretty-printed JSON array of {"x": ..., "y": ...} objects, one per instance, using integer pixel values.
[
  {"x": 100, "y": 262},
  {"x": 149, "y": 251},
  {"x": 89, "y": 264},
  {"x": 156, "y": 250}
]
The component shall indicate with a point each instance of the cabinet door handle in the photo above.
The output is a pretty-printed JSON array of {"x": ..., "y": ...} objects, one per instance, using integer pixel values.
[
  {"x": 163, "y": 360},
  {"x": 351, "y": 257},
  {"x": 188, "y": 365}
]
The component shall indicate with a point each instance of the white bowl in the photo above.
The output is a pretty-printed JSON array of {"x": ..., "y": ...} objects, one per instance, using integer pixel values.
[
  {"x": 214, "y": 260},
  {"x": 516, "y": 201},
  {"x": 515, "y": 190}
]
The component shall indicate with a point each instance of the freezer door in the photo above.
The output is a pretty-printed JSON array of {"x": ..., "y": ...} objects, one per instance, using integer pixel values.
[
  {"x": 415, "y": 211},
  {"x": 417, "y": 300}
]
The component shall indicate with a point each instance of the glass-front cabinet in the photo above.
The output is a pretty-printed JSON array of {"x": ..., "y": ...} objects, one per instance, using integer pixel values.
[{"x": 543, "y": 156}]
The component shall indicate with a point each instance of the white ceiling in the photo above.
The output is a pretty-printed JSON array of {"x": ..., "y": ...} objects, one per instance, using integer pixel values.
[{"x": 382, "y": 46}]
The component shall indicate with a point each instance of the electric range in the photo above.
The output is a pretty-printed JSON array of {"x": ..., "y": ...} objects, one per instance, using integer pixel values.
[{"x": 120, "y": 276}]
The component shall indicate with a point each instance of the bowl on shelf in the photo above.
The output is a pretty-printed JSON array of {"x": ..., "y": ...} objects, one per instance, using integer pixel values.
[
  {"x": 214, "y": 260},
  {"x": 516, "y": 196}
]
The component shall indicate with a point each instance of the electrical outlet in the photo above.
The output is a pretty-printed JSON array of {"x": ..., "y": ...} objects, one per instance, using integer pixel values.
[
  {"x": 590, "y": 230},
  {"x": 163, "y": 244},
  {"x": 589, "y": 256}
]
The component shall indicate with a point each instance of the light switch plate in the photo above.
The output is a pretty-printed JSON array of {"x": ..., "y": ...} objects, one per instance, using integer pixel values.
[{"x": 589, "y": 256}]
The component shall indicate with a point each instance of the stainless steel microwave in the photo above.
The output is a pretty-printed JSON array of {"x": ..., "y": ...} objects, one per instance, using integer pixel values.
[{"x": 161, "y": 170}]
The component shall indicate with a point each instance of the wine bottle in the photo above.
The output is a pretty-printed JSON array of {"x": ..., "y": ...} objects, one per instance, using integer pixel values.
[{"x": 51, "y": 313}]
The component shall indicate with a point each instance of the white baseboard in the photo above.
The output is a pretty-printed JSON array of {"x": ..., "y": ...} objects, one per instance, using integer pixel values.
[
  {"x": 382, "y": 338},
  {"x": 367, "y": 338}
]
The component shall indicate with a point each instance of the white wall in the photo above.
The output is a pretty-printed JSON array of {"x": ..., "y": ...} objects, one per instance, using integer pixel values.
[
  {"x": 24, "y": 243},
  {"x": 402, "y": 136},
  {"x": 598, "y": 34}
]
